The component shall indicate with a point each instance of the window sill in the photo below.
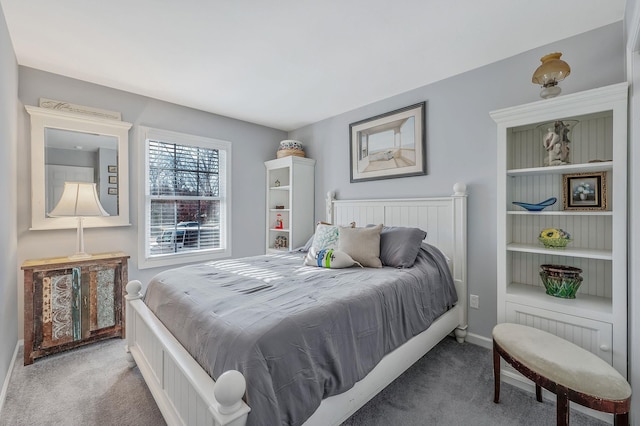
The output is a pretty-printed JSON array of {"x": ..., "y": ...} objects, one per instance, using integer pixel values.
[{"x": 182, "y": 258}]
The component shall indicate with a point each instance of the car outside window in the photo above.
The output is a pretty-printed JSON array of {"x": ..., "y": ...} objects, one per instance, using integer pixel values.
[{"x": 186, "y": 203}]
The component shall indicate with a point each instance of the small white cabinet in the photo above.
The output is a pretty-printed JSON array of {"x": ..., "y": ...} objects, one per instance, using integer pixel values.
[
  {"x": 597, "y": 318},
  {"x": 290, "y": 202}
]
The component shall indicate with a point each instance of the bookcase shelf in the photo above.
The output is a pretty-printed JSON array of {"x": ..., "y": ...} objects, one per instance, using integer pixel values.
[
  {"x": 597, "y": 318},
  {"x": 290, "y": 184}
]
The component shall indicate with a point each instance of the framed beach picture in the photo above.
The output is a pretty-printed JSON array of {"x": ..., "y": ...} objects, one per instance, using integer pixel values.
[
  {"x": 584, "y": 191},
  {"x": 390, "y": 145}
]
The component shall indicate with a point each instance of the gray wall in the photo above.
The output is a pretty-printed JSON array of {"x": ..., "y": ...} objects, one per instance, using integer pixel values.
[
  {"x": 8, "y": 213},
  {"x": 461, "y": 142},
  {"x": 251, "y": 146}
]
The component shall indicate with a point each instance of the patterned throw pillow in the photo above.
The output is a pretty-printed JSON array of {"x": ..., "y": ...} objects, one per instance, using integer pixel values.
[
  {"x": 326, "y": 237},
  {"x": 329, "y": 258}
]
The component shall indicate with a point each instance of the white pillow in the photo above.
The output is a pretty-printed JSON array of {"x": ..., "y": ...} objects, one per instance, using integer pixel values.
[
  {"x": 326, "y": 237},
  {"x": 362, "y": 244},
  {"x": 333, "y": 259}
]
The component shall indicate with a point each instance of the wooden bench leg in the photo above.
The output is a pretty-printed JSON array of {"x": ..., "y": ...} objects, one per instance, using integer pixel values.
[
  {"x": 562, "y": 413},
  {"x": 538, "y": 393},
  {"x": 621, "y": 419},
  {"x": 496, "y": 375}
]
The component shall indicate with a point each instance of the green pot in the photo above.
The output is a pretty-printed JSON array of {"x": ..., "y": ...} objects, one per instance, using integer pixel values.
[{"x": 561, "y": 285}]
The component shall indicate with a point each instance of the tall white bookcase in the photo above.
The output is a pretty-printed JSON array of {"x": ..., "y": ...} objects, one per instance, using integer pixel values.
[
  {"x": 290, "y": 197},
  {"x": 597, "y": 318}
]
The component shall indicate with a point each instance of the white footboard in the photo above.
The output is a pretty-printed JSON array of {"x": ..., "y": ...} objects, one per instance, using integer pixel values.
[{"x": 183, "y": 391}]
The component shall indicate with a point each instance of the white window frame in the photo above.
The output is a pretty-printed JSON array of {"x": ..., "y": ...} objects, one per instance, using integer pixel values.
[{"x": 144, "y": 217}]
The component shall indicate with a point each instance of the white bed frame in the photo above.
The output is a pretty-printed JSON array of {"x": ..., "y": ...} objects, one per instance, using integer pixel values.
[{"x": 185, "y": 393}]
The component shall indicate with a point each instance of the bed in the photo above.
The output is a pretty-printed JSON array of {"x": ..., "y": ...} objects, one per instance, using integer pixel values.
[{"x": 185, "y": 392}]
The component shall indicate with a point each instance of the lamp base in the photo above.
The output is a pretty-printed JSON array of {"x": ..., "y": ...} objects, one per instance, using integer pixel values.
[
  {"x": 80, "y": 256},
  {"x": 550, "y": 92}
]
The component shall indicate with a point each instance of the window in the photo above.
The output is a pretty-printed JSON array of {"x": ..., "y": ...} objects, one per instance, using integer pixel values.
[{"x": 185, "y": 213}]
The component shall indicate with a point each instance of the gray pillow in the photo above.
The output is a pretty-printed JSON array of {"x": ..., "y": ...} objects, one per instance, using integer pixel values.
[
  {"x": 399, "y": 246},
  {"x": 362, "y": 244}
]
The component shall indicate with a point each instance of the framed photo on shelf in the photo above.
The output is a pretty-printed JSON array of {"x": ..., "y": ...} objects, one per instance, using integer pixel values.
[
  {"x": 112, "y": 190},
  {"x": 584, "y": 191},
  {"x": 113, "y": 179},
  {"x": 112, "y": 169},
  {"x": 389, "y": 145}
]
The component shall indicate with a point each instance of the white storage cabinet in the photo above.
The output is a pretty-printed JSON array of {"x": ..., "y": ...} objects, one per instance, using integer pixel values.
[{"x": 290, "y": 197}]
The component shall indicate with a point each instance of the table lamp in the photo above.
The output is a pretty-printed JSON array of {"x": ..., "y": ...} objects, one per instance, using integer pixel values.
[{"x": 79, "y": 199}]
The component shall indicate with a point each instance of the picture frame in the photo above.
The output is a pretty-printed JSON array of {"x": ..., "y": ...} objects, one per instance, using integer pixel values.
[
  {"x": 585, "y": 191},
  {"x": 112, "y": 169},
  {"x": 112, "y": 190},
  {"x": 390, "y": 145},
  {"x": 113, "y": 179}
]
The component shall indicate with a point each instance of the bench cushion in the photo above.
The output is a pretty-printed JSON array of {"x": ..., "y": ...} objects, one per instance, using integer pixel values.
[{"x": 561, "y": 361}]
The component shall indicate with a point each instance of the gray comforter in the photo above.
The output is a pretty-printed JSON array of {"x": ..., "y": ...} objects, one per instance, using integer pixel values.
[{"x": 297, "y": 333}]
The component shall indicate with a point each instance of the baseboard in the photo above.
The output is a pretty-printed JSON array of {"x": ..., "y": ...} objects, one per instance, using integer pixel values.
[
  {"x": 478, "y": 340},
  {"x": 5, "y": 386}
]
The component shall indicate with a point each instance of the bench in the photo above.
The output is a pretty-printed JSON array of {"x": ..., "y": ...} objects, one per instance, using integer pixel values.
[{"x": 569, "y": 371}]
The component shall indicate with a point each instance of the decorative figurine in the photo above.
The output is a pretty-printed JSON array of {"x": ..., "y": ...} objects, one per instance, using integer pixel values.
[
  {"x": 278, "y": 221},
  {"x": 277, "y": 183},
  {"x": 280, "y": 242},
  {"x": 556, "y": 142}
]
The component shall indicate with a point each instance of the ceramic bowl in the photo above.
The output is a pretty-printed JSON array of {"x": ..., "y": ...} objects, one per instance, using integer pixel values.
[{"x": 561, "y": 280}]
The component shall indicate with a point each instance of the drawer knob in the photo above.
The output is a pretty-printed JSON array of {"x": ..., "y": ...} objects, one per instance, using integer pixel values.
[{"x": 605, "y": 348}]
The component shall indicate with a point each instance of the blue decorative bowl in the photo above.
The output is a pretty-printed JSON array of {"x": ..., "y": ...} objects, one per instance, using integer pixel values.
[{"x": 537, "y": 207}]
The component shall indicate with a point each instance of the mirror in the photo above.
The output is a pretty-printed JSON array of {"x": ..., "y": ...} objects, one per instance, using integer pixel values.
[
  {"x": 71, "y": 156},
  {"x": 75, "y": 147}
]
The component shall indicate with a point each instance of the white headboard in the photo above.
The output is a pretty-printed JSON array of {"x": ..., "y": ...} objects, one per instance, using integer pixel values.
[{"x": 443, "y": 218}]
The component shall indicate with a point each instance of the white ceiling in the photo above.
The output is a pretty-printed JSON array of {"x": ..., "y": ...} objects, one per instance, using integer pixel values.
[{"x": 285, "y": 63}]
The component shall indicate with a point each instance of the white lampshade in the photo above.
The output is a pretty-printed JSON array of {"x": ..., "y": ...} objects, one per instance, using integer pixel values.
[{"x": 79, "y": 199}]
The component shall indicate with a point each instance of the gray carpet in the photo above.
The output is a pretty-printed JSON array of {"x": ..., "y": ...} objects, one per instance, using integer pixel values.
[
  {"x": 451, "y": 385},
  {"x": 92, "y": 385}
]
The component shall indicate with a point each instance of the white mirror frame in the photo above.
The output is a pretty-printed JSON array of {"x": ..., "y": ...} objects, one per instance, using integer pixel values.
[{"x": 43, "y": 118}]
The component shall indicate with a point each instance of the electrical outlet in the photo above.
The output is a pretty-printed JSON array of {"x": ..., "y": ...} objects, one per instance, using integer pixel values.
[{"x": 474, "y": 301}]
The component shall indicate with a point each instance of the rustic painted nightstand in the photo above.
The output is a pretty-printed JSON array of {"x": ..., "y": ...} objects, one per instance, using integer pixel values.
[{"x": 70, "y": 303}]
